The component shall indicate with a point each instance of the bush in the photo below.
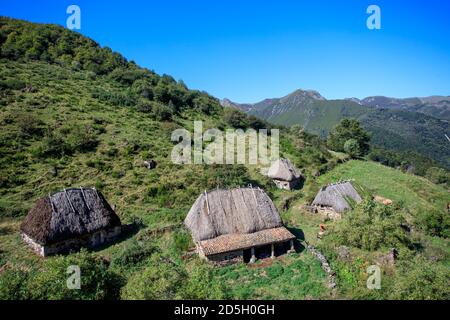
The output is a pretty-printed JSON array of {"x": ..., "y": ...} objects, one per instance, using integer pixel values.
[
  {"x": 420, "y": 279},
  {"x": 349, "y": 129},
  {"x": 370, "y": 226},
  {"x": 52, "y": 145},
  {"x": 202, "y": 284},
  {"x": 434, "y": 222},
  {"x": 133, "y": 254},
  {"x": 82, "y": 139},
  {"x": 50, "y": 282},
  {"x": 351, "y": 147},
  {"x": 181, "y": 241},
  {"x": 14, "y": 84},
  {"x": 438, "y": 175},
  {"x": 161, "y": 112},
  {"x": 96, "y": 281},
  {"x": 162, "y": 280},
  {"x": 235, "y": 118},
  {"x": 14, "y": 284},
  {"x": 29, "y": 124}
]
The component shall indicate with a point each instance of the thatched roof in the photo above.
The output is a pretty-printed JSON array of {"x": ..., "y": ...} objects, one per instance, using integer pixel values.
[
  {"x": 68, "y": 214},
  {"x": 239, "y": 210},
  {"x": 283, "y": 169},
  {"x": 336, "y": 196}
]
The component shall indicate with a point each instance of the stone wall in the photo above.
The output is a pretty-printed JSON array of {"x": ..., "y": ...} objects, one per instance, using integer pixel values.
[
  {"x": 328, "y": 212},
  {"x": 287, "y": 185},
  {"x": 89, "y": 240}
]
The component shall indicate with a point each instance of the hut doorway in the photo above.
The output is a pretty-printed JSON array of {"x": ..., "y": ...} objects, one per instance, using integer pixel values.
[
  {"x": 260, "y": 253},
  {"x": 263, "y": 252},
  {"x": 247, "y": 255}
]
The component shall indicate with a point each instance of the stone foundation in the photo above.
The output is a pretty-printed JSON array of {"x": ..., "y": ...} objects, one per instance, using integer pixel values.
[
  {"x": 287, "y": 185},
  {"x": 326, "y": 212},
  {"x": 231, "y": 257},
  {"x": 90, "y": 241}
]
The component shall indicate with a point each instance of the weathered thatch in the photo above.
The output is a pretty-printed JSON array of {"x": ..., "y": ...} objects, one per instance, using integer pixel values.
[
  {"x": 335, "y": 196},
  {"x": 68, "y": 214},
  {"x": 234, "y": 211},
  {"x": 283, "y": 169}
]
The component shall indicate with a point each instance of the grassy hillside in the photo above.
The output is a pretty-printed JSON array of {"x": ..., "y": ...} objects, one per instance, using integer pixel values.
[
  {"x": 75, "y": 114},
  {"x": 367, "y": 238},
  {"x": 393, "y": 129},
  {"x": 415, "y": 192}
]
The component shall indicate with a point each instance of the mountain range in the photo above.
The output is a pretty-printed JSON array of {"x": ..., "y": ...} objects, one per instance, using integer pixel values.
[{"x": 411, "y": 124}]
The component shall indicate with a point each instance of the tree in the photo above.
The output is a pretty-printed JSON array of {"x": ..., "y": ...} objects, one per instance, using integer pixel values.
[
  {"x": 349, "y": 129},
  {"x": 371, "y": 226},
  {"x": 351, "y": 147}
]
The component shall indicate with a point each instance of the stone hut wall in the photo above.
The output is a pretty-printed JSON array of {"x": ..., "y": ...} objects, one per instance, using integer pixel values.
[{"x": 89, "y": 240}]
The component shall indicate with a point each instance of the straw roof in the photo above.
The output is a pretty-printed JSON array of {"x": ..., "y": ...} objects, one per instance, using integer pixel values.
[
  {"x": 336, "y": 196},
  {"x": 68, "y": 214},
  {"x": 283, "y": 169},
  {"x": 235, "y": 211}
]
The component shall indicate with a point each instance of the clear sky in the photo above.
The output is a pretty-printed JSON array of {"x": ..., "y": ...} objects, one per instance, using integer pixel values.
[{"x": 248, "y": 50}]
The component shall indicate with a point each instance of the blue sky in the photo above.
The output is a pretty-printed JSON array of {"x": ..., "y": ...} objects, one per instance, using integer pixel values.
[{"x": 249, "y": 50}]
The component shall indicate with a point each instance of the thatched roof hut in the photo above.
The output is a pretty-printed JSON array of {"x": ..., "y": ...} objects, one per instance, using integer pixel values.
[
  {"x": 284, "y": 174},
  {"x": 237, "y": 219},
  {"x": 76, "y": 213},
  {"x": 337, "y": 196}
]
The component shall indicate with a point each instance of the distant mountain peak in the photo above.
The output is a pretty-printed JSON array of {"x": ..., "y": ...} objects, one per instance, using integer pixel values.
[{"x": 312, "y": 94}]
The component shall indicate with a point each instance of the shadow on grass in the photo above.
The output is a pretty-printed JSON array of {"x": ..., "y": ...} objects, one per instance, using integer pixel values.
[
  {"x": 299, "y": 238},
  {"x": 128, "y": 231}
]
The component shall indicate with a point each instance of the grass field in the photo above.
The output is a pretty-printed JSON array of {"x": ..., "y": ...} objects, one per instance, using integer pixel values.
[{"x": 417, "y": 193}]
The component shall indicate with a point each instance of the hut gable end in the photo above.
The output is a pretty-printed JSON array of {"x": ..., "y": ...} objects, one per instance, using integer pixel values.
[
  {"x": 335, "y": 196},
  {"x": 284, "y": 170},
  {"x": 235, "y": 211}
]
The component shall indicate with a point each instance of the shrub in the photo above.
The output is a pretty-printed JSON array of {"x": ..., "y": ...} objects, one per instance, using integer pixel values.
[
  {"x": 52, "y": 145},
  {"x": 29, "y": 124},
  {"x": 14, "y": 284},
  {"x": 434, "y": 222},
  {"x": 202, "y": 284},
  {"x": 235, "y": 118},
  {"x": 50, "y": 283},
  {"x": 181, "y": 241},
  {"x": 438, "y": 175},
  {"x": 370, "y": 226},
  {"x": 82, "y": 139},
  {"x": 352, "y": 148},
  {"x": 420, "y": 279},
  {"x": 349, "y": 129},
  {"x": 14, "y": 84},
  {"x": 133, "y": 254},
  {"x": 162, "y": 280},
  {"x": 161, "y": 112}
]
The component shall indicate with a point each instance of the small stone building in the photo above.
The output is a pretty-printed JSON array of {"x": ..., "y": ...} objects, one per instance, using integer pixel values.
[
  {"x": 239, "y": 224},
  {"x": 284, "y": 174},
  {"x": 68, "y": 220},
  {"x": 333, "y": 199}
]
